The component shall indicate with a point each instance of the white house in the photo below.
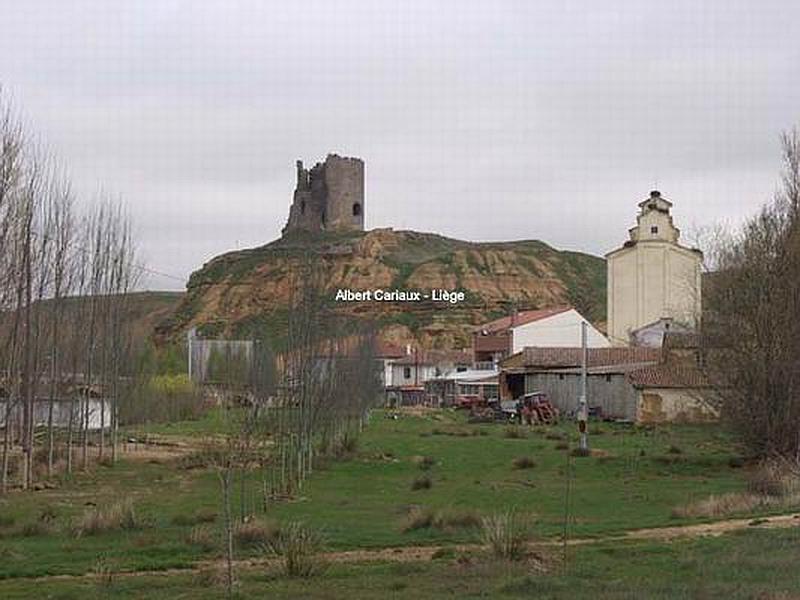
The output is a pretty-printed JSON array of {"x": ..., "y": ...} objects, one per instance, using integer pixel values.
[
  {"x": 551, "y": 327},
  {"x": 418, "y": 366}
]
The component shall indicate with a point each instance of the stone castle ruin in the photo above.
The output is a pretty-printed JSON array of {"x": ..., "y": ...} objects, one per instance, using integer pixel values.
[{"x": 328, "y": 197}]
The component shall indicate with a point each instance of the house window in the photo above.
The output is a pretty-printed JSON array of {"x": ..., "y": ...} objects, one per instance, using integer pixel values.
[
  {"x": 561, "y": 376},
  {"x": 461, "y": 369},
  {"x": 302, "y": 207},
  {"x": 608, "y": 378},
  {"x": 407, "y": 372},
  {"x": 654, "y": 229},
  {"x": 356, "y": 210}
]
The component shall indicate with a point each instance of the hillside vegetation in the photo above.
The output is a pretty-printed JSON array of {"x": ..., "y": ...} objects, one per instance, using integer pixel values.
[{"x": 247, "y": 293}]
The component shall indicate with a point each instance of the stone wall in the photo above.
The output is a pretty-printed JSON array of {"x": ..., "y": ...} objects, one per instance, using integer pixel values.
[{"x": 328, "y": 197}]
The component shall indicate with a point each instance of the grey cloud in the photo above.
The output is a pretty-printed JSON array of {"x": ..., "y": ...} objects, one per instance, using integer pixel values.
[{"x": 481, "y": 120}]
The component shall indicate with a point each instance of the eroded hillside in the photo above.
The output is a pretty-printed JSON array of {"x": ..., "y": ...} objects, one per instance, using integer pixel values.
[{"x": 247, "y": 293}]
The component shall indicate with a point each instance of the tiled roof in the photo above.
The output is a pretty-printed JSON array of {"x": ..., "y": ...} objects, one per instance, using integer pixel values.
[
  {"x": 521, "y": 318},
  {"x": 596, "y": 357},
  {"x": 680, "y": 339},
  {"x": 388, "y": 350},
  {"x": 668, "y": 376},
  {"x": 436, "y": 357}
]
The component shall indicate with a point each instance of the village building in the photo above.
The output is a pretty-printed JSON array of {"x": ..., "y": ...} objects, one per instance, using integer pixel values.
[
  {"x": 409, "y": 373},
  {"x": 552, "y": 327},
  {"x": 653, "y": 334},
  {"x": 455, "y": 386},
  {"x": 66, "y": 402},
  {"x": 636, "y": 384},
  {"x": 652, "y": 276}
]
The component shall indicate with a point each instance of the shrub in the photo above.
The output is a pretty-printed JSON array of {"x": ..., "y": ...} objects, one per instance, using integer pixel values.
[
  {"x": 562, "y": 446},
  {"x": 673, "y": 449},
  {"x": 119, "y": 516},
  {"x": 424, "y": 462},
  {"x": 256, "y": 533},
  {"x": 201, "y": 459},
  {"x": 736, "y": 462},
  {"x": 419, "y": 518},
  {"x": 202, "y": 537},
  {"x": 299, "y": 547},
  {"x": 103, "y": 570},
  {"x": 211, "y": 576},
  {"x": 777, "y": 478},
  {"x": 524, "y": 462},
  {"x": 581, "y": 452},
  {"x": 346, "y": 446},
  {"x": 422, "y": 483},
  {"x": 515, "y": 433},
  {"x": 36, "y": 529},
  {"x": 444, "y": 520},
  {"x": 47, "y": 514},
  {"x": 7, "y": 521},
  {"x": 201, "y": 515},
  {"x": 556, "y": 436},
  {"x": 505, "y": 535},
  {"x": 719, "y": 506}
]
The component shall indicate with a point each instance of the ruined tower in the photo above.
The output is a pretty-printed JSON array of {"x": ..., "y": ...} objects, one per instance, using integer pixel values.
[{"x": 328, "y": 197}]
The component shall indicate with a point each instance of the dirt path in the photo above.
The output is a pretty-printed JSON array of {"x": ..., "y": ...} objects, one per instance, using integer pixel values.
[{"x": 426, "y": 553}]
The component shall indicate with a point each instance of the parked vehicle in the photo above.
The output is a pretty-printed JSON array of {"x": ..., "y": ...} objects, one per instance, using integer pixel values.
[{"x": 535, "y": 407}]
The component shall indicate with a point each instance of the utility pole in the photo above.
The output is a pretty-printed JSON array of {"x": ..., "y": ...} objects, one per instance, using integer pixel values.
[{"x": 583, "y": 409}]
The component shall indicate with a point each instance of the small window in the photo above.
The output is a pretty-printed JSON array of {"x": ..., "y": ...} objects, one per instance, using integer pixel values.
[
  {"x": 608, "y": 378},
  {"x": 302, "y": 207},
  {"x": 561, "y": 376},
  {"x": 407, "y": 372},
  {"x": 356, "y": 210},
  {"x": 654, "y": 229}
]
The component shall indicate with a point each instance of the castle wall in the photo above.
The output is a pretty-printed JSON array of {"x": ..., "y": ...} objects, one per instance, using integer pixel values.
[
  {"x": 345, "y": 181},
  {"x": 328, "y": 197}
]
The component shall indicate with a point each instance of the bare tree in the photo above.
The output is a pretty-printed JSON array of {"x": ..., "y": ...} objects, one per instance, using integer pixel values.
[{"x": 750, "y": 327}]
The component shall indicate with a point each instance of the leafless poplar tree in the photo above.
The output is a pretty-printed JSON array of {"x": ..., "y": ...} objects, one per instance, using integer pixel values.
[{"x": 751, "y": 329}]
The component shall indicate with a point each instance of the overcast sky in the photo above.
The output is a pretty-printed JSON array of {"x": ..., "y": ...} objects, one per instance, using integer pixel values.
[{"x": 478, "y": 120}]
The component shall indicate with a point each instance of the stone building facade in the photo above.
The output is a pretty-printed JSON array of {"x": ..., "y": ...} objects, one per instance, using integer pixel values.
[
  {"x": 329, "y": 196},
  {"x": 652, "y": 276}
]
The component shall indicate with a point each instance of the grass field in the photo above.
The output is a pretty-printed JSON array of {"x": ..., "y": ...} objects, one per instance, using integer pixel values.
[{"x": 635, "y": 481}]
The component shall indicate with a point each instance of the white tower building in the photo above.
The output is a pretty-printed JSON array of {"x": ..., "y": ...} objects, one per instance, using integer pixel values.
[{"x": 652, "y": 277}]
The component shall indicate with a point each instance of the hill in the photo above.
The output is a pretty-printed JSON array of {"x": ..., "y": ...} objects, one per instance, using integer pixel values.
[
  {"x": 143, "y": 312},
  {"x": 247, "y": 292}
]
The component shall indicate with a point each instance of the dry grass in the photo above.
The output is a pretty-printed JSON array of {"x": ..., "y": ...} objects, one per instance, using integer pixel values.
[
  {"x": 299, "y": 546},
  {"x": 256, "y": 532},
  {"x": 424, "y": 462},
  {"x": 778, "y": 478},
  {"x": 505, "y": 535},
  {"x": 515, "y": 433},
  {"x": 203, "y": 537},
  {"x": 524, "y": 462},
  {"x": 773, "y": 485},
  {"x": 118, "y": 516},
  {"x": 198, "y": 517},
  {"x": 422, "y": 483},
  {"x": 443, "y": 520}
]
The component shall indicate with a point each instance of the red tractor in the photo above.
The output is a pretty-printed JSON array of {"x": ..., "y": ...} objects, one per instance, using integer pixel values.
[{"x": 535, "y": 408}]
